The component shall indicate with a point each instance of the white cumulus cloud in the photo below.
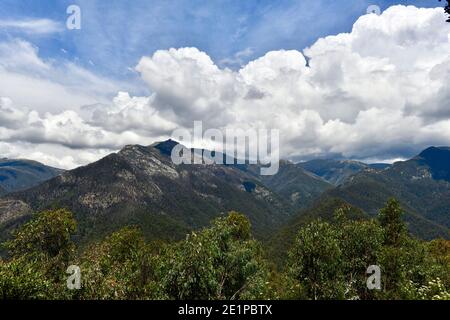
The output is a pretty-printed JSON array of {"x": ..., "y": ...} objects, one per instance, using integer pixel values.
[{"x": 381, "y": 91}]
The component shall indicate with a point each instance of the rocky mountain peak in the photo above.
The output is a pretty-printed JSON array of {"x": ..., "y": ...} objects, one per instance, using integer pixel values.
[{"x": 165, "y": 147}]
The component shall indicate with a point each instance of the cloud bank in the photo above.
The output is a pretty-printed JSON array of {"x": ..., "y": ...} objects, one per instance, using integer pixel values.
[{"x": 380, "y": 92}]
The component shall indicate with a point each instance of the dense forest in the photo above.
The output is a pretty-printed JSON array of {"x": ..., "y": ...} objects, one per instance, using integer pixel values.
[{"x": 328, "y": 260}]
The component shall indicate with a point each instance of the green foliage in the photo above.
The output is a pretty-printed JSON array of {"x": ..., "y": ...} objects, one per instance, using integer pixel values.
[
  {"x": 221, "y": 262},
  {"x": 284, "y": 239},
  {"x": 47, "y": 236},
  {"x": 330, "y": 260},
  {"x": 316, "y": 261},
  {"x": 433, "y": 280},
  {"x": 360, "y": 243},
  {"x": 40, "y": 253},
  {"x": 390, "y": 219},
  {"x": 20, "y": 279},
  {"x": 440, "y": 250},
  {"x": 433, "y": 290},
  {"x": 327, "y": 260},
  {"x": 119, "y": 267},
  {"x": 394, "y": 253}
]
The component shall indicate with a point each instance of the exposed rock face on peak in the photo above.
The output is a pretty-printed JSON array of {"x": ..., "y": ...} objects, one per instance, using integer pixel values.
[{"x": 141, "y": 185}]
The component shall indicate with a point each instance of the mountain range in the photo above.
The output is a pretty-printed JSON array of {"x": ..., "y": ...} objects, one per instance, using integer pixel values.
[
  {"x": 140, "y": 185},
  {"x": 421, "y": 184},
  {"x": 20, "y": 174},
  {"x": 338, "y": 171}
]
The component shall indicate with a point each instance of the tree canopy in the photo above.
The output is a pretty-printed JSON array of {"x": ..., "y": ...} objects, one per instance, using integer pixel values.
[{"x": 328, "y": 260}]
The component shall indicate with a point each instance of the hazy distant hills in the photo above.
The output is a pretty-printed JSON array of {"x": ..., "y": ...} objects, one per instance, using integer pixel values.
[
  {"x": 338, "y": 171},
  {"x": 16, "y": 175},
  {"x": 421, "y": 184},
  {"x": 140, "y": 185},
  {"x": 296, "y": 185}
]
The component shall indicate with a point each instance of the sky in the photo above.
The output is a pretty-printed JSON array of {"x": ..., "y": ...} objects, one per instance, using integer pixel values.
[{"x": 336, "y": 81}]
